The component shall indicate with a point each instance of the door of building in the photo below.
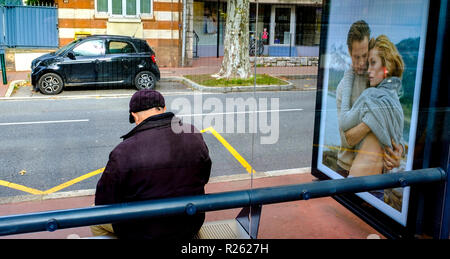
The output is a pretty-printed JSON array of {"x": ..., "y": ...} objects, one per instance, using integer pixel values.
[{"x": 282, "y": 25}]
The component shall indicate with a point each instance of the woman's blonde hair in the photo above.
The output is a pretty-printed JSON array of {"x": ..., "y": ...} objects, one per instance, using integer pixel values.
[{"x": 390, "y": 57}]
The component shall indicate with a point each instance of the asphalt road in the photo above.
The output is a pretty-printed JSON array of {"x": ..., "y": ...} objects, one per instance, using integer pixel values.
[{"x": 47, "y": 142}]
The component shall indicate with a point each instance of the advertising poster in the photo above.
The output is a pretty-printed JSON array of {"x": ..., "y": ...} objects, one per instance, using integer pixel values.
[{"x": 370, "y": 98}]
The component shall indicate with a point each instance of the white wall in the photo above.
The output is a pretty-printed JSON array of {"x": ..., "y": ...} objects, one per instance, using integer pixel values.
[{"x": 23, "y": 60}]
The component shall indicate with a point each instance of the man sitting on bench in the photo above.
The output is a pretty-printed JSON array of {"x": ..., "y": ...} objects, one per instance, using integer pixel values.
[{"x": 160, "y": 158}]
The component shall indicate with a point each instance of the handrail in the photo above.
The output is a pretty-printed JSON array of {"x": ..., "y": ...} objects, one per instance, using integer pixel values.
[
  {"x": 197, "y": 39},
  {"x": 69, "y": 218}
]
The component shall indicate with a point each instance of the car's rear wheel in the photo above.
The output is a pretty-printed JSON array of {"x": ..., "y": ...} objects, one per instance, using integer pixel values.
[
  {"x": 50, "y": 84},
  {"x": 145, "y": 80}
]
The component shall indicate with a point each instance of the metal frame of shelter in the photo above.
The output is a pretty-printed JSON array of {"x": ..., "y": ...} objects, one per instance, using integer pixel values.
[
  {"x": 429, "y": 206},
  {"x": 429, "y": 210}
]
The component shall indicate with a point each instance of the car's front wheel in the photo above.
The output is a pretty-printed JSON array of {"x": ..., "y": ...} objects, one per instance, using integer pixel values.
[
  {"x": 50, "y": 84},
  {"x": 145, "y": 80}
]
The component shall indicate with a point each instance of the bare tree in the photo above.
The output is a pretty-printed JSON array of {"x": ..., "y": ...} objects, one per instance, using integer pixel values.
[{"x": 236, "y": 63}]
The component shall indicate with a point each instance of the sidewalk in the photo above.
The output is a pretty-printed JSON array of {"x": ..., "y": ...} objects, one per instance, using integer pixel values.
[
  {"x": 12, "y": 76},
  {"x": 321, "y": 218},
  {"x": 212, "y": 65}
]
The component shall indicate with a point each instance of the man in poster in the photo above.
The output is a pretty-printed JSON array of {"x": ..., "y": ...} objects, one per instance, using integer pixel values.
[{"x": 356, "y": 78}]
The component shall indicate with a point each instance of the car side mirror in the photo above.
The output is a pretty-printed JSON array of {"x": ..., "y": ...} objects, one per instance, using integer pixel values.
[{"x": 71, "y": 55}]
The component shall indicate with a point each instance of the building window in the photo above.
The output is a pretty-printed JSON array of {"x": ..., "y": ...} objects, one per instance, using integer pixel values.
[
  {"x": 102, "y": 6},
  {"x": 308, "y": 26},
  {"x": 131, "y": 8},
  {"x": 282, "y": 25},
  {"x": 263, "y": 21}
]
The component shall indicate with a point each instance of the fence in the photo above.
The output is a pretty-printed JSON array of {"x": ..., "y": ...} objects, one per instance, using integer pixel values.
[{"x": 28, "y": 26}]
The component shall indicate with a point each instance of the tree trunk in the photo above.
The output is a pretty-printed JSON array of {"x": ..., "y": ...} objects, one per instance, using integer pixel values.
[{"x": 236, "y": 63}]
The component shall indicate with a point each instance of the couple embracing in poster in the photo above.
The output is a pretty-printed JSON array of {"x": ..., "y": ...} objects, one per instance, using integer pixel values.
[
  {"x": 370, "y": 115},
  {"x": 372, "y": 76}
]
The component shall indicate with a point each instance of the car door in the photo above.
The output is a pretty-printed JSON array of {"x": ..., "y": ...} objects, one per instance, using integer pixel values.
[
  {"x": 118, "y": 56},
  {"x": 84, "y": 65}
]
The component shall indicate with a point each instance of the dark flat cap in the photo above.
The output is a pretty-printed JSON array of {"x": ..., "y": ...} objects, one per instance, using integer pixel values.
[{"x": 145, "y": 99}]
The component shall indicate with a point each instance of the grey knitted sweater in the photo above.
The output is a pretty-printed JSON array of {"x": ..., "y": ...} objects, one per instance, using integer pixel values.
[{"x": 378, "y": 107}]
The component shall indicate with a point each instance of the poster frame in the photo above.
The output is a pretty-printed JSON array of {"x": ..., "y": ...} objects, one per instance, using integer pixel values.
[{"x": 421, "y": 220}]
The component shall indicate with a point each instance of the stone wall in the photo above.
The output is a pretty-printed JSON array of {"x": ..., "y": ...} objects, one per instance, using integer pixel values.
[{"x": 285, "y": 61}]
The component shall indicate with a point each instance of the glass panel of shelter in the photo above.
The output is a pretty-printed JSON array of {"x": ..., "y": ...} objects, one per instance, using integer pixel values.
[{"x": 270, "y": 131}]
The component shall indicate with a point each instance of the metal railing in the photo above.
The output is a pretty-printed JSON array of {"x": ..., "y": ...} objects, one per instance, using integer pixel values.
[
  {"x": 60, "y": 219},
  {"x": 196, "y": 40}
]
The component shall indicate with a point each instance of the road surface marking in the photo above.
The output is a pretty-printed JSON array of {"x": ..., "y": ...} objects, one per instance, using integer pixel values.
[
  {"x": 219, "y": 137},
  {"x": 91, "y": 96},
  {"x": 244, "y": 112},
  {"x": 54, "y": 189},
  {"x": 74, "y": 181},
  {"x": 41, "y": 122},
  {"x": 230, "y": 149},
  {"x": 20, "y": 187}
]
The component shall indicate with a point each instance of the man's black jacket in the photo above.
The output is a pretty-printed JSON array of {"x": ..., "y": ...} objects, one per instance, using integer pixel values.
[{"x": 159, "y": 158}]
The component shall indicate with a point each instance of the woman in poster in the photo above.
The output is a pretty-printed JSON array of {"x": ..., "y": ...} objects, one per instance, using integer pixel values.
[{"x": 378, "y": 107}]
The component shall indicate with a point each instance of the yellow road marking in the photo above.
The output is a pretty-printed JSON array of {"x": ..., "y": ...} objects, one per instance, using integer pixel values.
[
  {"x": 54, "y": 189},
  {"x": 74, "y": 181},
  {"x": 20, "y": 187},
  {"x": 233, "y": 151},
  {"x": 219, "y": 137}
]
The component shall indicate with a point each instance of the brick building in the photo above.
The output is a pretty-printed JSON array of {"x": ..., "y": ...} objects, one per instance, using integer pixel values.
[{"x": 157, "y": 21}]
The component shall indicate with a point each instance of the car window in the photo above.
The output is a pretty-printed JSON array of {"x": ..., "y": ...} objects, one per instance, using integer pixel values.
[
  {"x": 66, "y": 47},
  {"x": 115, "y": 47},
  {"x": 90, "y": 48}
]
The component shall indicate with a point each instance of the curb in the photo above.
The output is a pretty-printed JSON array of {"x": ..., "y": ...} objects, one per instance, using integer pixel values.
[
  {"x": 11, "y": 87},
  {"x": 90, "y": 192},
  {"x": 190, "y": 83}
]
